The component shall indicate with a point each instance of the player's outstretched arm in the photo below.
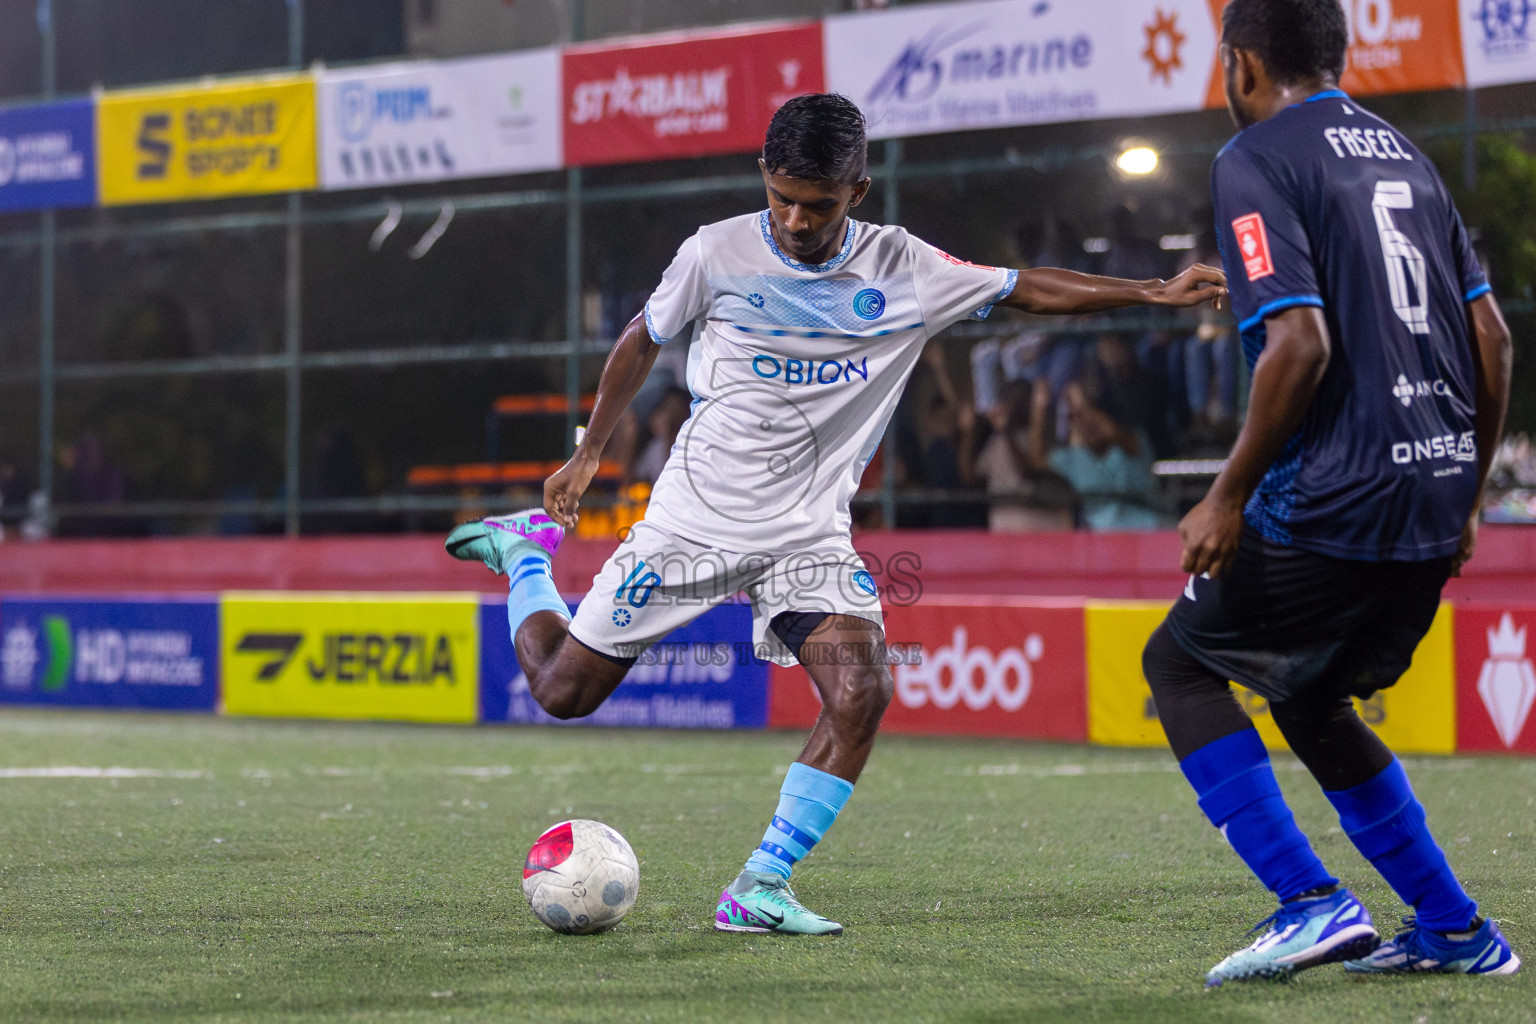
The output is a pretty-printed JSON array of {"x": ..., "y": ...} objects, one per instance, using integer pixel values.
[
  {"x": 1049, "y": 290},
  {"x": 1491, "y": 353},
  {"x": 1296, "y": 352},
  {"x": 626, "y": 369}
]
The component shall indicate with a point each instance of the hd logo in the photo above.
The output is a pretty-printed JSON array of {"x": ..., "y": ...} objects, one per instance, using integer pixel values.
[{"x": 407, "y": 657}]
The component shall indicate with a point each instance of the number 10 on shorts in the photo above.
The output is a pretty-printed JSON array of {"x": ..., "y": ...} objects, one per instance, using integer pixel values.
[{"x": 636, "y": 588}]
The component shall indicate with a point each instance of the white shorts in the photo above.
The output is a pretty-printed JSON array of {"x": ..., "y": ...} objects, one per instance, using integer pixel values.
[{"x": 657, "y": 581}]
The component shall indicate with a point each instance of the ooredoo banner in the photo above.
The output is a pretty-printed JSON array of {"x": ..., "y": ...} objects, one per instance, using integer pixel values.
[
  {"x": 232, "y": 138},
  {"x": 1496, "y": 678},
  {"x": 994, "y": 63},
  {"x": 402, "y": 657},
  {"x": 48, "y": 156},
  {"x": 702, "y": 676},
  {"x": 1498, "y": 41},
  {"x": 662, "y": 97},
  {"x": 160, "y": 653},
  {"x": 431, "y": 121},
  {"x": 971, "y": 667}
]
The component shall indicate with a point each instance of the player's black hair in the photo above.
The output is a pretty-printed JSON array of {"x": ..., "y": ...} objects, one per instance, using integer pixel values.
[
  {"x": 819, "y": 136},
  {"x": 1296, "y": 39}
]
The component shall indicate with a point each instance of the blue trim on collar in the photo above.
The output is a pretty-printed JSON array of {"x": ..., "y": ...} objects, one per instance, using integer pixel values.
[
  {"x": 794, "y": 264},
  {"x": 1277, "y": 305},
  {"x": 1327, "y": 94}
]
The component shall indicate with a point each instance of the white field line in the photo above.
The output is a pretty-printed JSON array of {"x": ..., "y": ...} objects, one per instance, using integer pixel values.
[
  {"x": 1058, "y": 771},
  {"x": 81, "y": 772}
]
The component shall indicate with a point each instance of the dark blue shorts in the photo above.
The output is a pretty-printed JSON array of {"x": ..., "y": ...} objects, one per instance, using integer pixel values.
[{"x": 1283, "y": 621}]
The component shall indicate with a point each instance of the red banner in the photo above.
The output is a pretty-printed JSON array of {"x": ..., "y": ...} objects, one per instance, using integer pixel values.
[
  {"x": 988, "y": 667},
  {"x": 663, "y": 98},
  {"x": 1496, "y": 678}
]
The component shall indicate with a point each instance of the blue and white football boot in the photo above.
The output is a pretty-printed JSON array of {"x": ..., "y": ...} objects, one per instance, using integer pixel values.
[
  {"x": 1419, "y": 949},
  {"x": 1302, "y": 934}
]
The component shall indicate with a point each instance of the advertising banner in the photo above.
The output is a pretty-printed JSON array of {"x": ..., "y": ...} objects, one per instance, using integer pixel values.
[
  {"x": 702, "y": 676},
  {"x": 1416, "y": 716},
  {"x": 251, "y": 136},
  {"x": 118, "y": 652},
  {"x": 1496, "y": 678},
  {"x": 48, "y": 156},
  {"x": 970, "y": 667},
  {"x": 431, "y": 121},
  {"x": 399, "y": 657},
  {"x": 994, "y": 63},
  {"x": 658, "y": 98},
  {"x": 1498, "y": 41}
]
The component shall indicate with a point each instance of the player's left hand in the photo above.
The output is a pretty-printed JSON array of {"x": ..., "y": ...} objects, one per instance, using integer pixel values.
[
  {"x": 1468, "y": 545},
  {"x": 1198, "y": 284},
  {"x": 1210, "y": 533}
]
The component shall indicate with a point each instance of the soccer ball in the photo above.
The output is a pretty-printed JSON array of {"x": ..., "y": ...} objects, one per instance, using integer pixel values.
[{"x": 581, "y": 877}]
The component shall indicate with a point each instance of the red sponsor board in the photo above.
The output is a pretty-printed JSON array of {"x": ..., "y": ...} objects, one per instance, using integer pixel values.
[
  {"x": 1496, "y": 677},
  {"x": 657, "y": 98},
  {"x": 971, "y": 667}
]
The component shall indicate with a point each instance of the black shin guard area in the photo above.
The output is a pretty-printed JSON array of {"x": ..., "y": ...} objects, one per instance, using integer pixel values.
[
  {"x": 794, "y": 628},
  {"x": 1324, "y": 731},
  {"x": 1196, "y": 705}
]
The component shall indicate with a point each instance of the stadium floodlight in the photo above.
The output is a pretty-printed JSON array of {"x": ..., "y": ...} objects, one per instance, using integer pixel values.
[{"x": 1137, "y": 161}]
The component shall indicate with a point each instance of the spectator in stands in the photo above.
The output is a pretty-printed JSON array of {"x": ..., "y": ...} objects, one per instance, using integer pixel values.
[
  {"x": 89, "y": 477},
  {"x": 1107, "y": 462},
  {"x": 665, "y": 420},
  {"x": 947, "y": 463},
  {"x": 1115, "y": 381},
  {"x": 1021, "y": 498}
]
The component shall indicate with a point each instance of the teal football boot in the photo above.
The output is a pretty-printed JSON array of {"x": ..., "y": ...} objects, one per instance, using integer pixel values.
[
  {"x": 500, "y": 541},
  {"x": 759, "y": 903}
]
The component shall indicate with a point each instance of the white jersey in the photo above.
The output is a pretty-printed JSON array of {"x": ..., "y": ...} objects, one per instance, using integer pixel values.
[{"x": 795, "y": 370}]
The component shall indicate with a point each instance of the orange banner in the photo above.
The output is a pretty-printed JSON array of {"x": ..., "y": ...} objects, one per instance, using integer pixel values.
[{"x": 1394, "y": 46}]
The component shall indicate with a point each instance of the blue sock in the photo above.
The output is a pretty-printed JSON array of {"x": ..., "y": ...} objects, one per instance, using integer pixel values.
[
  {"x": 1386, "y": 823},
  {"x": 808, "y": 804},
  {"x": 532, "y": 589},
  {"x": 1240, "y": 796}
]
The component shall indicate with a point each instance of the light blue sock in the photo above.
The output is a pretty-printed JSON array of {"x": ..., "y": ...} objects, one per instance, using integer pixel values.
[
  {"x": 532, "y": 589},
  {"x": 808, "y": 804}
]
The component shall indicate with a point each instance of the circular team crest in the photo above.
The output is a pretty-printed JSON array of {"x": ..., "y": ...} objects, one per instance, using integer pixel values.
[
  {"x": 869, "y": 303},
  {"x": 621, "y": 617},
  {"x": 865, "y": 582}
]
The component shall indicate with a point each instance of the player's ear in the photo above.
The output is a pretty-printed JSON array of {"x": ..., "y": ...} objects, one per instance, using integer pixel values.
[
  {"x": 860, "y": 190},
  {"x": 1249, "y": 71}
]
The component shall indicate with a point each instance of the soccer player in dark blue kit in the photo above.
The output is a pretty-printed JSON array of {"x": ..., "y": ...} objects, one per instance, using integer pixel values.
[{"x": 1380, "y": 379}]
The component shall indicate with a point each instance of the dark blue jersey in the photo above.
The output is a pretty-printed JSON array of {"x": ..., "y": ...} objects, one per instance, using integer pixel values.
[{"x": 1327, "y": 205}]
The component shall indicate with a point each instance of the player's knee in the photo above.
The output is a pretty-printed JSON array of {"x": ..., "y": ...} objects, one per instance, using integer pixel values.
[{"x": 861, "y": 694}]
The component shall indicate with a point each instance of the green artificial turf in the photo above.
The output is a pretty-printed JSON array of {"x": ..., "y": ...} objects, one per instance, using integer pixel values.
[{"x": 319, "y": 872}]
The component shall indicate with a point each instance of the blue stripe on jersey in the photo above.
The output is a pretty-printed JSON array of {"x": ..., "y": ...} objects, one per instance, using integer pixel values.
[
  {"x": 776, "y": 332},
  {"x": 1271, "y": 308},
  {"x": 1477, "y": 293}
]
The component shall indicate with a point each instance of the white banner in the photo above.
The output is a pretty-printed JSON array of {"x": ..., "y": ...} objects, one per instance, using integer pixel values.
[
  {"x": 993, "y": 63},
  {"x": 428, "y": 121},
  {"x": 1498, "y": 41}
]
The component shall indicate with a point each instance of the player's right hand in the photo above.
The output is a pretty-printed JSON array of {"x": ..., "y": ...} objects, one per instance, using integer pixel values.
[
  {"x": 1210, "y": 533},
  {"x": 1193, "y": 286},
  {"x": 563, "y": 490}
]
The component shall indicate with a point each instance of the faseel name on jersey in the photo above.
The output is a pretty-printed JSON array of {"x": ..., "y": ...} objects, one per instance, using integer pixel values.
[
  {"x": 1253, "y": 243},
  {"x": 1365, "y": 144}
]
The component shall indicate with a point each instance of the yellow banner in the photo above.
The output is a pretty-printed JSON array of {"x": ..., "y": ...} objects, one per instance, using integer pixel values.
[
  {"x": 405, "y": 657},
  {"x": 1417, "y": 716},
  {"x": 156, "y": 145}
]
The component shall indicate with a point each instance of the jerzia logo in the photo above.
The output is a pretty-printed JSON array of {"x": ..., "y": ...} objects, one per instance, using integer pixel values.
[{"x": 397, "y": 658}]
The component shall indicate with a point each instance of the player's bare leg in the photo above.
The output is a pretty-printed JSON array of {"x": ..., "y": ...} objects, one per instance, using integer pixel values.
[
  {"x": 845, "y": 656},
  {"x": 567, "y": 679}
]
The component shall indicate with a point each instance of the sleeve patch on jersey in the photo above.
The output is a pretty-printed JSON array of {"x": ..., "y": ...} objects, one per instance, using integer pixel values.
[
  {"x": 961, "y": 263},
  {"x": 1253, "y": 242}
]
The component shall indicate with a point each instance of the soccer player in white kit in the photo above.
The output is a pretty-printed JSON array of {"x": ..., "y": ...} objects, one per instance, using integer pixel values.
[{"x": 806, "y": 325}]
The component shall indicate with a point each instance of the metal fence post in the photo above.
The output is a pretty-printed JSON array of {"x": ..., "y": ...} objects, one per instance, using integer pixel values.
[
  {"x": 293, "y": 327},
  {"x": 47, "y": 255},
  {"x": 888, "y": 442},
  {"x": 573, "y": 325}
]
